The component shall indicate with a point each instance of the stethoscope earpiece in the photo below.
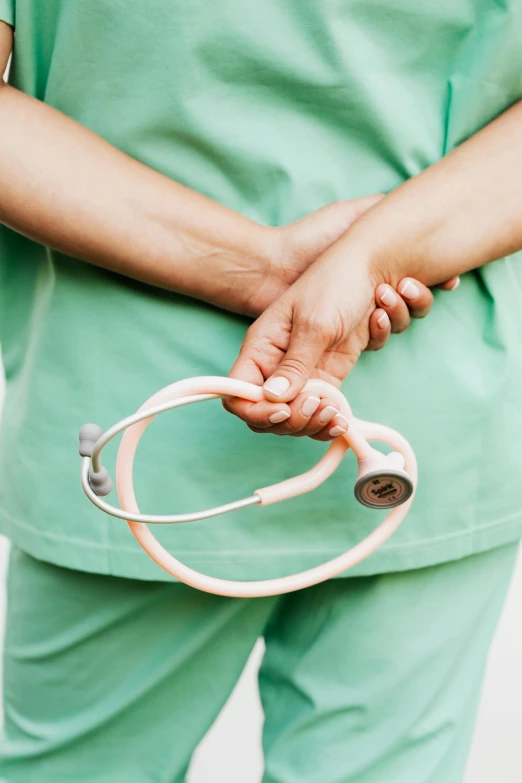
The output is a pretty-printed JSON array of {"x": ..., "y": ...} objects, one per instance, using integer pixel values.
[
  {"x": 385, "y": 481},
  {"x": 99, "y": 480}
]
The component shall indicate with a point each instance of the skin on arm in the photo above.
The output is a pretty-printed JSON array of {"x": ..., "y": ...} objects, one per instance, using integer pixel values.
[
  {"x": 6, "y": 45},
  {"x": 461, "y": 213},
  {"x": 65, "y": 187}
]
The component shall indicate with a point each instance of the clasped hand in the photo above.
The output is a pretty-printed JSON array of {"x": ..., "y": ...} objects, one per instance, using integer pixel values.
[{"x": 330, "y": 310}]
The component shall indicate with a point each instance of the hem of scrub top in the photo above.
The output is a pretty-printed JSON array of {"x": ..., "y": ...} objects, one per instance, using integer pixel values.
[{"x": 132, "y": 563}]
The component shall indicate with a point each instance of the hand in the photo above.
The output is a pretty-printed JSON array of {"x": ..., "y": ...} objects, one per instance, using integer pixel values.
[
  {"x": 291, "y": 249},
  {"x": 393, "y": 313},
  {"x": 318, "y": 328}
]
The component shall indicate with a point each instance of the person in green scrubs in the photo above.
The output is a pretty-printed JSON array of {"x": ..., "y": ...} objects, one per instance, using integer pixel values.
[{"x": 187, "y": 188}]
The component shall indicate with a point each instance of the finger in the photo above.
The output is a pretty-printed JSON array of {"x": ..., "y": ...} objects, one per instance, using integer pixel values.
[
  {"x": 302, "y": 423},
  {"x": 261, "y": 415},
  {"x": 278, "y": 418},
  {"x": 335, "y": 428},
  {"x": 380, "y": 330},
  {"x": 417, "y": 296},
  {"x": 246, "y": 369},
  {"x": 450, "y": 285},
  {"x": 255, "y": 357},
  {"x": 306, "y": 346},
  {"x": 302, "y": 410},
  {"x": 395, "y": 307}
]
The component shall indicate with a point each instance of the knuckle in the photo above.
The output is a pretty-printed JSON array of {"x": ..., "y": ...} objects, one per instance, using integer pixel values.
[
  {"x": 422, "y": 305},
  {"x": 318, "y": 323},
  {"x": 295, "y": 364},
  {"x": 293, "y": 427},
  {"x": 256, "y": 420},
  {"x": 400, "y": 326},
  {"x": 309, "y": 323},
  {"x": 251, "y": 332},
  {"x": 323, "y": 437}
]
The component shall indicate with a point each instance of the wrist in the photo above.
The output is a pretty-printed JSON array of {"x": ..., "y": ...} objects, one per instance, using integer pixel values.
[
  {"x": 256, "y": 267},
  {"x": 214, "y": 253},
  {"x": 239, "y": 272},
  {"x": 379, "y": 251},
  {"x": 271, "y": 275}
]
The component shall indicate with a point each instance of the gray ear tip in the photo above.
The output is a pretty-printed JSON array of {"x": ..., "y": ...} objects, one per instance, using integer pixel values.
[
  {"x": 88, "y": 436},
  {"x": 101, "y": 482},
  {"x": 105, "y": 489}
]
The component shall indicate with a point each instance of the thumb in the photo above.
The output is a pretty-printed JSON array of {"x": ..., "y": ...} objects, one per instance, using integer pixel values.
[
  {"x": 306, "y": 346},
  {"x": 320, "y": 229}
]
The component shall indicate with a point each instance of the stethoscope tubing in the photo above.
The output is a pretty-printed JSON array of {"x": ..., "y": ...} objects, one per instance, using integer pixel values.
[
  {"x": 151, "y": 519},
  {"x": 207, "y": 388}
]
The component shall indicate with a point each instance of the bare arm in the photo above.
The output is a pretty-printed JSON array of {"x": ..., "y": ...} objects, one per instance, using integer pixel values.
[
  {"x": 461, "y": 213},
  {"x": 6, "y": 45},
  {"x": 65, "y": 187}
]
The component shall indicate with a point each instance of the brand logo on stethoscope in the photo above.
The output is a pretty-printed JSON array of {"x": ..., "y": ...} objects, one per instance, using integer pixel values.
[{"x": 384, "y": 490}]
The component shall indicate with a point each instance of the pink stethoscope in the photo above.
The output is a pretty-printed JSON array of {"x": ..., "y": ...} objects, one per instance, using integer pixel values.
[{"x": 385, "y": 481}]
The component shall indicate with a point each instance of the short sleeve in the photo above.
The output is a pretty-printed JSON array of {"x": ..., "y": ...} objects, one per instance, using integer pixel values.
[{"x": 7, "y": 11}]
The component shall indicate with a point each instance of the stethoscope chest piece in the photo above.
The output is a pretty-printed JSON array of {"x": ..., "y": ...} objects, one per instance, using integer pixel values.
[
  {"x": 382, "y": 481},
  {"x": 384, "y": 490}
]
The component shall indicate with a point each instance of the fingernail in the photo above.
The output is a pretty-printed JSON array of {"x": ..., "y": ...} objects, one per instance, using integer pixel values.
[
  {"x": 383, "y": 321},
  {"x": 389, "y": 297},
  {"x": 277, "y": 386},
  {"x": 410, "y": 290},
  {"x": 278, "y": 417},
  {"x": 327, "y": 414},
  {"x": 310, "y": 406},
  {"x": 342, "y": 423},
  {"x": 455, "y": 284},
  {"x": 338, "y": 430}
]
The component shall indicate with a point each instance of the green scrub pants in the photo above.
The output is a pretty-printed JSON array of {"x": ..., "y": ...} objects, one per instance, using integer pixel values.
[{"x": 368, "y": 680}]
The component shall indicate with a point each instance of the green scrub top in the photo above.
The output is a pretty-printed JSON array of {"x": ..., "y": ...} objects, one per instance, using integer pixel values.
[{"x": 273, "y": 108}]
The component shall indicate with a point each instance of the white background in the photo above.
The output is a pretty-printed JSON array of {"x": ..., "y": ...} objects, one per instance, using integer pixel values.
[{"x": 231, "y": 752}]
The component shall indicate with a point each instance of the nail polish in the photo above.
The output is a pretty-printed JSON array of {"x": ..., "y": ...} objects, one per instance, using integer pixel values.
[
  {"x": 410, "y": 290},
  {"x": 327, "y": 414},
  {"x": 341, "y": 422},
  {"x": 277, "y": 385},
  {"x": 389, "y": 297},
  {"x": 278, "y": 417},
  {"x": 309, "y": 406}
]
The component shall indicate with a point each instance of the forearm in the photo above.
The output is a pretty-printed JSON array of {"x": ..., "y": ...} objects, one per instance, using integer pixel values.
[
  {"x": 65, "y": 187},
  {"x": 459, "y": 214}
]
